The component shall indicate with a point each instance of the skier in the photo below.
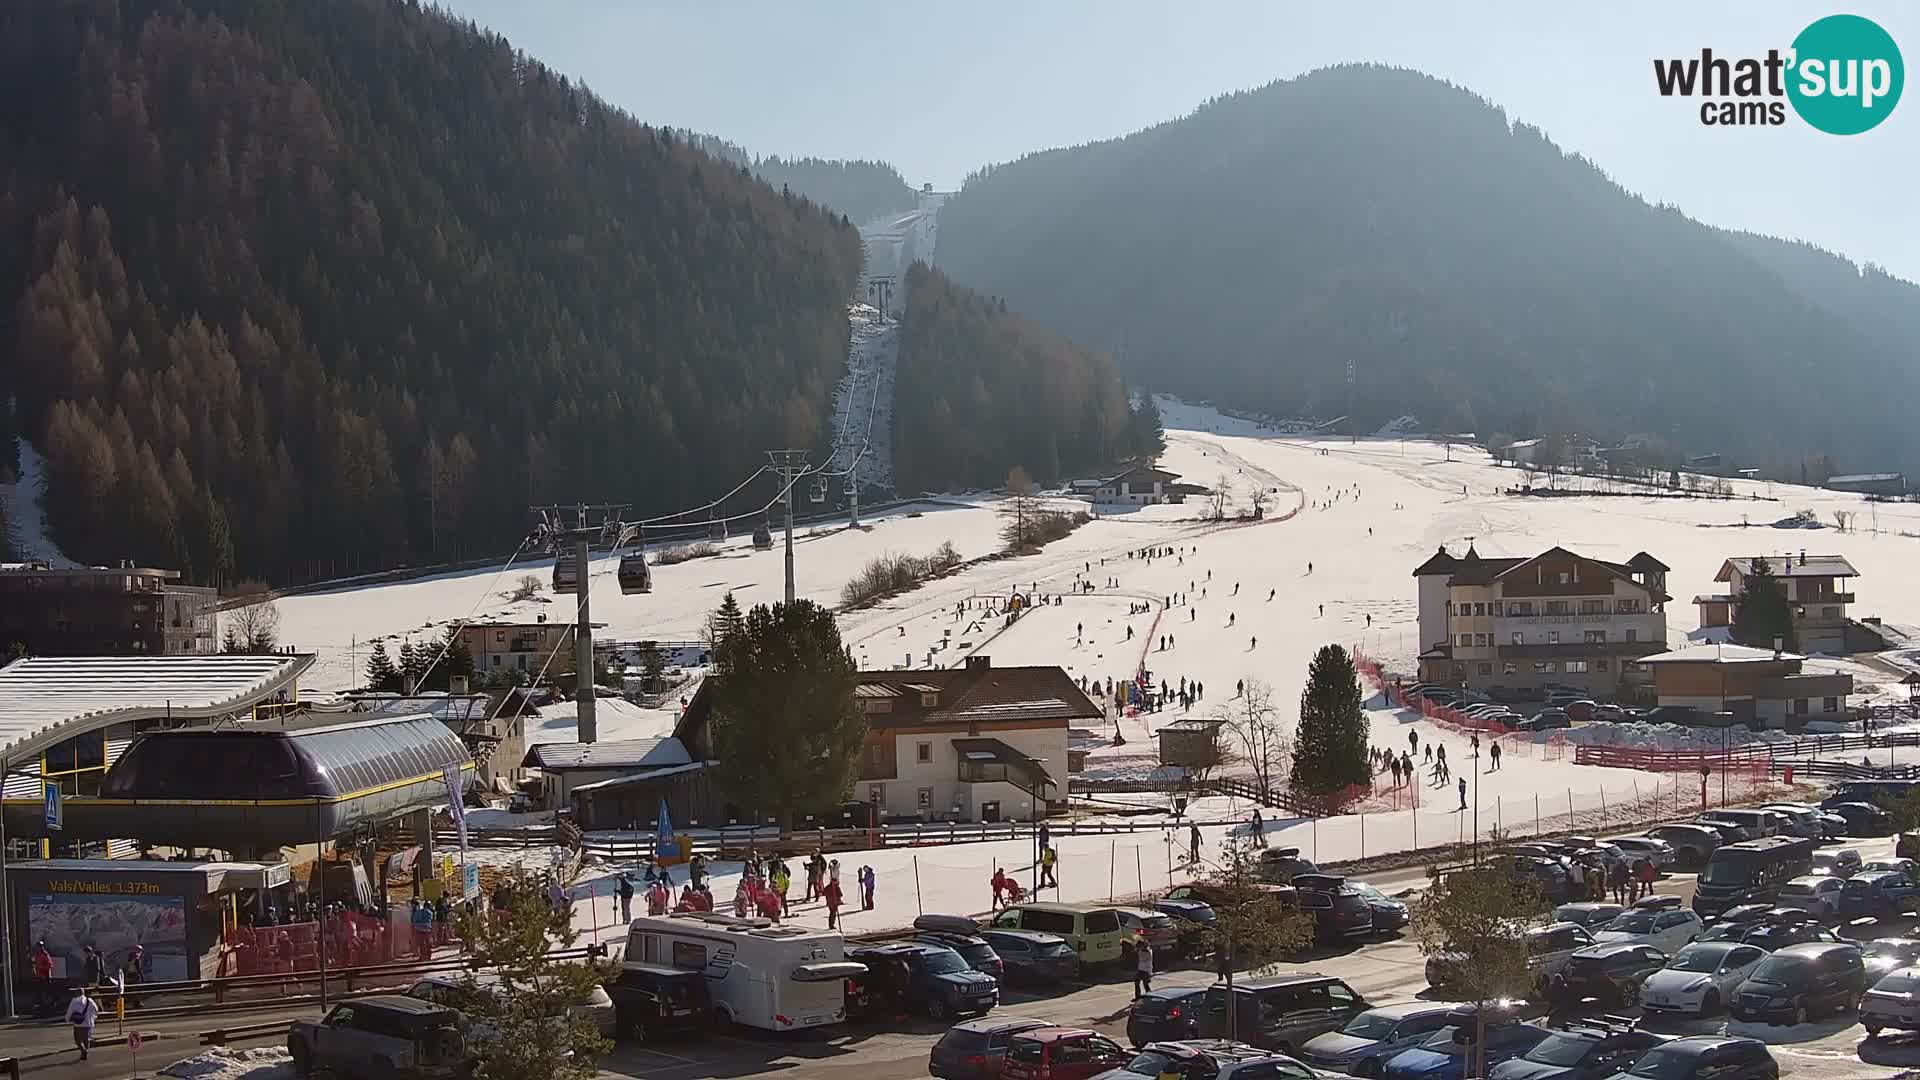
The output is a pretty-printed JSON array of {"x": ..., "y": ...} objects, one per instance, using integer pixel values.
[
  {"x": 1323, "y": 611},
  {"x": 1426, "y": 758},
  {"x": 1413, "y": 741},
  {"x": 1253, "y": 643},
  {"x": 1369, "y": 621},
  {"x": 1309, "y": 568},
  {"x": 1239, "y": 687},
  {"x": 1270, "y": 593},
  {"x": 1495, "y": 751},
  {"x": 1229, "y": 618}
]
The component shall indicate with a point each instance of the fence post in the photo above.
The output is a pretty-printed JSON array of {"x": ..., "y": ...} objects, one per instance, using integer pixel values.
[
  {"x": 1113, "y": 855},
  {"x": 918, "y": 906},
  {"x": 1139, "y": 884},
  {"x": 1603, "y": 809},
  {"x": 1570, "y": 819},
  {"x": 1363, "y": 834}
]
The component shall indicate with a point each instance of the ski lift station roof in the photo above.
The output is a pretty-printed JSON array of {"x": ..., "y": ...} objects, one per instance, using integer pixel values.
[{"x": 45, "y": 700}]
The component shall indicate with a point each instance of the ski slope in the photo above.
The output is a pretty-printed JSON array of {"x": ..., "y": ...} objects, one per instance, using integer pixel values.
[{"x": 25, "y": 523}]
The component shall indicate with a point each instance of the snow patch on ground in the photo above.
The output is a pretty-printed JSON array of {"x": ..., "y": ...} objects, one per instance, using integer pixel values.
[
  {"x": 616, "y": 718},
  {"x": 220, "y": 1063},
  {"x": 28, "y": 525}
]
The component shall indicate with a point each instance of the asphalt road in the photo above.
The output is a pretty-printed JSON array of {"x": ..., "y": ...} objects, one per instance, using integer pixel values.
[{"x": 1383, "y": 972}]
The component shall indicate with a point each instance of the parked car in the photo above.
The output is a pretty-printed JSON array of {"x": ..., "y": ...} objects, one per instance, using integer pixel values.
[
  {"x": 1893, "y": 1001},
  {"x": 1705, "y": 1057},
  {"x": 1209, "y": 1059},
  {"x": 1030, "y": 957},
  {"x": 1608, "y": 712},
  {"x": 1660, "y": 853},
  {"x": 1282, "y": 1011},
  {"x": 974, "y": 949},
  {"x": 1591, "y": 914},
  {"x": 1158, "y": 928},
  {"x": 1560, "y": 699},
  {"x": 1699, "y": 979},
  {"x": 1191, "y": 910},
  {"x": 1818, "y": 896},
  {"x": 1548, "y": 875},
  {"x": 1658, "y": 902},
  {"x": 1832, "y": 825},
  {"x": 1801, "y": 981},
  {"x": 1339, "y": 911},
  {"x": 1734, "y": 921},
  {"x": 1864, "y": 819},
  {"x": 1692, "y": 844},
  {"x": 457, "y": 992},
  {"x": 1668, "y": 930},
  {"x": 1784, "y": 927},
  {"x": 1388, "y": 914},
  {"x": 1882, "y": 955},
  {"x": 1092, "y": 929},
  {"x": 1878, "y": 894},
  {"x": 1611, "y": 974},
  {"x": 1548, "y": 949},
  {"x": 384, "y": 1037},
  {"x": 1546, "y": 720},
  {"x": 1582, "y": 1050},
  {"x": 1363, "y": 1046},
  {"x": 976, "y": 1049},
  {"x": 931, "y": 980},
  {"x": 1279, "y": 865},
  {"x": 1444, "y": 1054},
  {"x": 650, "y": 1002},
  {"x": 1840, "y": 863},
  {"x": 1171, "y": 1012},
  {"x": 1731, "y": 832},
  {"x": 1908, "y": 867},
  {"x": 1061, "y": 1053},
  {"x": 1801, "y": 820}
]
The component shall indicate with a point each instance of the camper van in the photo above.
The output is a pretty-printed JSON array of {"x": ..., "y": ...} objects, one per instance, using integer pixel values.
[{"x": 780, "y": 978}]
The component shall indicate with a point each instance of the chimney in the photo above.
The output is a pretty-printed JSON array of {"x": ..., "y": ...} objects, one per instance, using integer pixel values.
[
  {"x": 457, "y": 685},
  {"x": 1778, "y": 646},
  {"x": 539, "y": 618},
  {"x": 975, "y": 663}
]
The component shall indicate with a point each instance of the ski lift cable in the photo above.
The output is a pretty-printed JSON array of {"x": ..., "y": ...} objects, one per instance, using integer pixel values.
[
  {"x": 709, "y": 505},
  {"x": 551, "y": 656}
]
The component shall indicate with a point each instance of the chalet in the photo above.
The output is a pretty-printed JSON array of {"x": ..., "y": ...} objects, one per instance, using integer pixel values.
[
  {"x": 500, "y": 646},
  {"x": 1757, "y": 687},
  {"x": 1144, "y": 484},
  {"x": 1887, "y": 483},
  {"x": 1556, "y": 618},
  {"x": 1816, "y": 587}
]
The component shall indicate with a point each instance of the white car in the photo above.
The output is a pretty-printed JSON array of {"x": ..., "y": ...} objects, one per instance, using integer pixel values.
[
  {"x": 1700, "y": 978},
  {"x": 1668, "y": 931},
  {"x": 1816, "y": 895},
  {"x": 1894, "y": 1002},
  {"x": 1658, "y": 852}
]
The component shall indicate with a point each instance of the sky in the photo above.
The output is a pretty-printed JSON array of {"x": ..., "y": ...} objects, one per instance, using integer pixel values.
[{"x": 941, "y": 89}]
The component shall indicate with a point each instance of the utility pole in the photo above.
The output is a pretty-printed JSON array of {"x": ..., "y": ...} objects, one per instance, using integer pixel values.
[
  {"x": 791, "y": 465},
  {"x": 587, "y": 719},
  {"x": 853, "y": 496},
  {"x": 881, "y": 289}
]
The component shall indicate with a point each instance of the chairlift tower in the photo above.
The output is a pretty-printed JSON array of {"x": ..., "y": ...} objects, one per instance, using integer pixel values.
[
  {"x": 790, "y": 466},
  {"x": 567, "y": 532}
]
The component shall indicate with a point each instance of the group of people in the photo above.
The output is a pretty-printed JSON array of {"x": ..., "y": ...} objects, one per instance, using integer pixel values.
[
  {"x": 1589, "y": 876},
  {"x": 764, "y": 883},
  {"x": 110, "y": 980}
]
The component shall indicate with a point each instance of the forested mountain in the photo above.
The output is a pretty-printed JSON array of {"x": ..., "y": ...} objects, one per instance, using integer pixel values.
[
  {"x": 980, "y": 390},
  {"x": 290, "y": 288},
  {"x": 1461, "y": 266},
  {"x": 862, "y": 190}
]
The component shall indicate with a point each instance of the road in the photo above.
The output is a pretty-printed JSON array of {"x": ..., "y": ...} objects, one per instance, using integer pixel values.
[{"x": 1382, "y": 972}]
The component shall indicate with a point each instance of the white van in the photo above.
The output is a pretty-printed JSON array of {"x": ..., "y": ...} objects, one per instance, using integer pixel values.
[{"x": 780, "y": 978}]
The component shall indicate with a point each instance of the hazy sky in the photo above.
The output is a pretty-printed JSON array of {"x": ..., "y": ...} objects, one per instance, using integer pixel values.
[{"x": 941, "y": 88}]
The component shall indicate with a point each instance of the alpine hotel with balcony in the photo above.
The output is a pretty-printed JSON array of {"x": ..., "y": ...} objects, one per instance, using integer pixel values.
[{"x": 1556, "y": 618}]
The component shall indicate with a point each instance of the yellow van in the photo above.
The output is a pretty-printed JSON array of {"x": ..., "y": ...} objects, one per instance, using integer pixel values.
[{"x": 1092, "y": 929}]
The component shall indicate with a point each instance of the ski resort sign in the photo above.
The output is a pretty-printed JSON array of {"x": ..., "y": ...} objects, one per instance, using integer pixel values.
[{"x": 1842, "y": 75}]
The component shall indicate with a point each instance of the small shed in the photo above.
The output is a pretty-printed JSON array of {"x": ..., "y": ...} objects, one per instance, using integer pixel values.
[
  {"x": 1190, "y": 744},
  {"x": 566, "y": 766}
]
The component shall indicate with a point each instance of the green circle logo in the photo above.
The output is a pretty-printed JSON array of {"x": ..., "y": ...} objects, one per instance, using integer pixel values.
[{"x": 1846, "y": 75}]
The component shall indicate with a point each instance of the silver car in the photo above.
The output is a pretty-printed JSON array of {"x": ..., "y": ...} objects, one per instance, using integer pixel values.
[{"x": 1363, "y": 1046}]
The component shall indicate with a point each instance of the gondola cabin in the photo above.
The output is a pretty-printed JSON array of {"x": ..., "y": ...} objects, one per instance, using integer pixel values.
[
  {"x": 635, "y": 575},
  {"x": 763, "y": 538},
  {"x": 565, "y": 577},
  {"x": 820, "y": 490}
]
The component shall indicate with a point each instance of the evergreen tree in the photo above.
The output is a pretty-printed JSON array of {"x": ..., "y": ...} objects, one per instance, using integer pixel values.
[
  {"x": 382, "y": 676},
  {"x": 1764, "y": 611},
  {"x": 1148, "y": 434},
  {"x": 784, "y": 721},
  {"x": 653, "y": 666},
  {"x": 412, "y": 666},
  {"x": 722, "y": 625},
  {"x": 455, "y": 659},
  {"x": 1330, "y": 746}
]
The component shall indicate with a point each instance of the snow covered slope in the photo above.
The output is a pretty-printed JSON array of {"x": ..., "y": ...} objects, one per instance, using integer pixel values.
[
  {"x": 863, "y": 402},
  {"x": 21, "y": 501}
]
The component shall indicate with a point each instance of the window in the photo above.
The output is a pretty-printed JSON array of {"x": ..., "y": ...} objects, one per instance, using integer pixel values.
[
  {"x": 689, "y": 955},
  {"x": 1487, "y": 669},
  {"x": 499, "y": 636},
  {"x": 1576, "y": 667},
  {"x": 1521, "y": 608},
  {"x": 929, "y": 699},
  {"x": 1600, "y": 665},
  {"x": 1466, "y": 641},
  {"x": 1556, "y": 607},
  {"x": 496, "y": 659},
  {"x": 1493, "y": 609},
  {"x": 1553, "y": 637},
  {"x": 1596, "y": 637},
  {"x": 1519, "y": 638},
  {"x": 1592, "y": 607},
  {"x": 925, "y": 799},
  {"x": 876, "y": 794},
  {"x": 1831, "y": 704},
  {"x": 1545, "y": 667},
  {"x": 1633, "y": 635},
  {"x": 1563, "y": 578},
  {"x": 1483, "y": 640},
  {"x": 1479, "y": 609},
  {"x": 923, "y": 752},
  {"x": 1628, "y": 607},
  {"x": 1509, "y": 669},
  {"x": 1800, "y": 706}
]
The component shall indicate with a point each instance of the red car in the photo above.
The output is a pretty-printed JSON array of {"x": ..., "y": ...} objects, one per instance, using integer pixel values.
[{"x": 1059, "y": 1053}]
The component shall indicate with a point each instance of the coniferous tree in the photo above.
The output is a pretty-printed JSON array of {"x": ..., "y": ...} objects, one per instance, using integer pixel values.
[
  {"x": 1330, "y": 747},
  {"x": 1764, "y": 612},
  {"x": 412, "y": 665},
  {"x": 1149, "y": 436},
  {"x": 382, "y": 676},
  {"x": 724, "y": 624},
  {"x": 783, "y": 714},
  {"x": 653, "y": 666}
]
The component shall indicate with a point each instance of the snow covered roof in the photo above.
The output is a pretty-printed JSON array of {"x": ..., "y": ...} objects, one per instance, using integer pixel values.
[
  {"x": 47, "y": 699},
  {"x": 1790, "y": 565},
  {"x": 1864, "y": 478},
  {"x": 618, "y": 754},
  {"x": 641, "y": 777},
  {"x": 1718, "y": 654}
]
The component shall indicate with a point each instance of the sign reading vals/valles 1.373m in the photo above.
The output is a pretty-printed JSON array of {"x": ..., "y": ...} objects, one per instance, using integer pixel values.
[{"x": 1842, "y": 75}]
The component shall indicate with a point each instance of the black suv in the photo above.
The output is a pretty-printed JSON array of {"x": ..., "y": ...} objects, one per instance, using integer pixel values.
[
  {"x": 1170, "y": 1013},
  {"x": 1281, "y": 1013},
  {"x": 1609, "y": 973},
  {"x": 1583, "y": 1050},
  {"x": 1781, "y": 927},
  {"x": 929, "y": 979},
  {"x": 975, "y": 1049},
  {"x": 1722, "y": 1057},
  {"x": 1801, "y": 980},
  {"x": 652, "y": 1001},
  {"x": 974, "y": 949}
]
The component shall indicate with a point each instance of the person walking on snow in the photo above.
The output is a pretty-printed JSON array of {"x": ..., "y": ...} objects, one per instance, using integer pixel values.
[
  {"x": 1494, "y": 750},
  {"x": 1259, "y": 829},
  {"x": 1463, "y": 793},
  {"x": 1048, "y": 861},
  {"x": 832, "y": 895},
  {"x": 1413, "y": 741},
  {"x": 626, "y": 898},
  {"x": 866, "y": 888},
  {"x": 1193, "y": 844}
]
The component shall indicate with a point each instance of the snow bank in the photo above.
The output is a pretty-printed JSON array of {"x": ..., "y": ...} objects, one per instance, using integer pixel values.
[{"x": 220, "y": 1063}]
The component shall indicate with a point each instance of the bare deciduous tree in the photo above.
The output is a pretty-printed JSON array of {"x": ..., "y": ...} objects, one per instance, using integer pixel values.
[
  {"x": 253, "y": 627},
  {"x": 526, "y": 588},
  {"x": 1222, "y": 493},
  {"x": 1253, "y": 725},
  {"x": 1021, "y": 510},
  {"x": 1259, "y": 498}
]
